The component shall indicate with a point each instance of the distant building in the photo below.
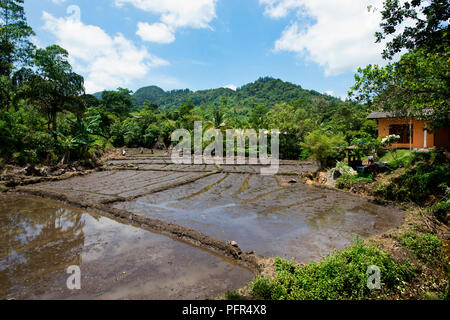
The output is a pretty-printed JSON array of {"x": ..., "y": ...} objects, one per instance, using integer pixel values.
[{"x": 420, "y": 137}]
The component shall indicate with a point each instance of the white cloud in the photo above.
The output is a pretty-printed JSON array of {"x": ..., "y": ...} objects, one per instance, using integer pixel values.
[
  {"x": 277, "y": 9},
  {"x": 173, "y": 14},
  {"x": 329, "y": 92},
  {"x": 58, "y": 1},
  {"x": 341, "y": 36},
  {"x": 231, "y": 86},
  {"x": 107, "y": 62},
  {"x": 156, "y": 32},
  {"x": 36, "y": 41}
]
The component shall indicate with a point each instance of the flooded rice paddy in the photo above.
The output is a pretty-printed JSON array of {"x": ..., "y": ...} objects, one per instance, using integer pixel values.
[
  {"x": 267, "y": 215},
  {"x": 39, "y": 239}
]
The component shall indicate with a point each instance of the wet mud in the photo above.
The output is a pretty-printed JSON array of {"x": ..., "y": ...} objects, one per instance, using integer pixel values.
[
  {"x": 296, "y": 222},
  {"x": 224, "y": 203},
  {"x": 210, "y": 206},
  {"x": 41, "y": 238}
]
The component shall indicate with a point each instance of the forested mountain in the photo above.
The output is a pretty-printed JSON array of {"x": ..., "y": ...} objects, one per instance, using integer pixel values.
[{"x": 266, "y": 91}]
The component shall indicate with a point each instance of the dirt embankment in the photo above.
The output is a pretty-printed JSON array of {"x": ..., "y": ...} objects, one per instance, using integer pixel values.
[{"x": 13, "y": 175}]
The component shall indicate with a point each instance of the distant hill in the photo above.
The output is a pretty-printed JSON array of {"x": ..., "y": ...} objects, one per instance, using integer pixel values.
[{"x": 267, "y": 91}]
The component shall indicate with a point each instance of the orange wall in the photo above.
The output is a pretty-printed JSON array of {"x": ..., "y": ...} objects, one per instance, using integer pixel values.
[{"x": 418, "y": 132}]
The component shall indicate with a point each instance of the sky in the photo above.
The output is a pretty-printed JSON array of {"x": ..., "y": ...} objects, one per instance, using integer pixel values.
[{"x": 204, "y": 44}]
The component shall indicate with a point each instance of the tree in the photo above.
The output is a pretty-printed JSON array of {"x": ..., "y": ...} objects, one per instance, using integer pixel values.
[
  {"x": 430, "y": 29},
  {"x": 53, "y": 87},
  {"x": 418, "y": 84},
  {"x": 293, "y": 125},
  {"x": 119, "y": 102},
  {"x": 258, "y": 116},
  {"x": 151, "y": 106},
  {"x": 15, "y": 45},
  {"x": 80, "y": 136}
]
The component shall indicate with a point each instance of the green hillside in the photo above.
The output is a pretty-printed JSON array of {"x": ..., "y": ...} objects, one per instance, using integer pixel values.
[{"x": 266, "y": 91}]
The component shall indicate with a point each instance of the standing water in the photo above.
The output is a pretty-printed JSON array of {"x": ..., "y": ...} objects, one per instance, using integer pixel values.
[{"x": 40, "y": 239}]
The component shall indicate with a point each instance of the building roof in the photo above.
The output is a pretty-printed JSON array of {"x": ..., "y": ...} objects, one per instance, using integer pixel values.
[
  {"x": 380, "y": 115},
  {"x": 391, "y": 114}
]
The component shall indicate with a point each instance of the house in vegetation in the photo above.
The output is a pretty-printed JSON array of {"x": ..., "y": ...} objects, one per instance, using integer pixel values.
[{"x": 412, "y": 131}]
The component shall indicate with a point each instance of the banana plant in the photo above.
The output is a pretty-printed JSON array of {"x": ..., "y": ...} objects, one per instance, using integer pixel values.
[{"x": 80, "y": 137}]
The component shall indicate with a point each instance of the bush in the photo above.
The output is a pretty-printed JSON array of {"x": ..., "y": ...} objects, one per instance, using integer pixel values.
[
  {"x": 349, "y": 177},
  {"x": 441, "y": 209},
  {"x": 426, "y": 247},
  {"x": 400, "y": 162},
  {"x": 347, "y": 182},
  {"x": 262, "y": 288},
  {"x": 324, "y": 147},
  {"x": 24, "y": 136},
  {"x": 342, "y": 275},
  {"x": 418, "y": 183}
]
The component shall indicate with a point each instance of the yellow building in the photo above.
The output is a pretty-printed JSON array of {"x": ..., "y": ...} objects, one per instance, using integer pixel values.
[{"x": 410, "y": 129}]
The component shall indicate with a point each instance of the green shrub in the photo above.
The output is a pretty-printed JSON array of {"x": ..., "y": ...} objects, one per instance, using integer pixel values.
[
  {"x": 342, "y": 275},
  {"x": 418, "y": 183},
  {"x": 420, "y": 157},
  {"x": 401, "y": 162},
  {"x": 326, "y": 147},
  {"x": 426, "y": 247},
  {"x": 441, "y": 209},
  {"x": 262, "y": 288},
  {"x": 348, "y": 181}
]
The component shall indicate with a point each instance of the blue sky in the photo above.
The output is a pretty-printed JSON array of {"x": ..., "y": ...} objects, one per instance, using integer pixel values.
[{"x": 202, "y": 44}]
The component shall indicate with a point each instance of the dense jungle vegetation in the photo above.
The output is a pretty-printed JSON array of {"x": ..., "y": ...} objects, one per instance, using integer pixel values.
[{"x": 46, "y": 116}]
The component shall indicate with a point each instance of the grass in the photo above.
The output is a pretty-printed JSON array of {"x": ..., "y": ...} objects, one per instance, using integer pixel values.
[{"x": 342, "y": 275}]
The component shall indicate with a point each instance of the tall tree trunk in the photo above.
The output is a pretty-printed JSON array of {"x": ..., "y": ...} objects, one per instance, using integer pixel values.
[{"x": 54, "y": 125}]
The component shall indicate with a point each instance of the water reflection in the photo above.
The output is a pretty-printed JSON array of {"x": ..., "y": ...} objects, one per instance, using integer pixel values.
[
  {"x": 39, "y": 239},
  {"x": 36, "y": 241}
]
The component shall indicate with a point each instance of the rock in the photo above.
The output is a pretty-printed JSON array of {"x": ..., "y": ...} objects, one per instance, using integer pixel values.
[
  {"x": 292, "y": 181},
  {"x": 90, "y": 164},
  {"x": 31, "y": 171},
  {"x": 234, "y": 244},
  {"x": 322, "y": 178},
  {"x": 45, "y": 171},
  {"x": 59, "y": 172},
  {"x": 61, "y": 166},
  {"x": 124, "y": 152},
  {"x": 309, "y": 182}
]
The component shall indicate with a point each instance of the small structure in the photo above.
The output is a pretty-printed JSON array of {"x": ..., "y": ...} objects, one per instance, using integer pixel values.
[
  {"x": 354, "y": 157},
  {"x": 412, "y": 131}
]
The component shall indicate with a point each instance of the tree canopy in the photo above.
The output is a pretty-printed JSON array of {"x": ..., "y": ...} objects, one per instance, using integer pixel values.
[{"x": 418, "y": 84}]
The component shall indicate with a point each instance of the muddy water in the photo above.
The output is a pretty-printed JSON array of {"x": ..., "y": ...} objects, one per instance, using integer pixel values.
[
  {"x": 39, "y": 239},
  {"x": 267, "y": 215}
]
